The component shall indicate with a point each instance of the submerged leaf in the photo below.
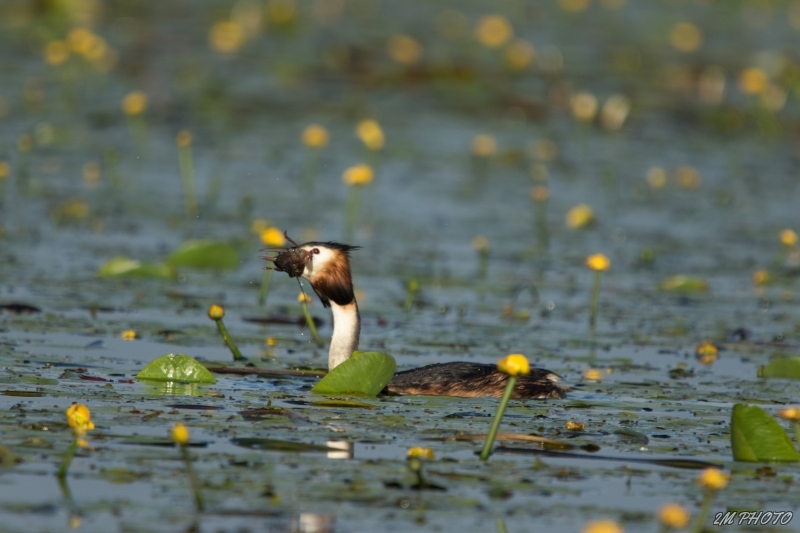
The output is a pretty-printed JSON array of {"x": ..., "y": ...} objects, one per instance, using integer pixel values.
[
  {"x": 784, "y": 368},
  {"x": 123, "y": 267},
  {"x": 204, "y": 254},
  {"x": 756, "y": 436},
  {"x": 176, "y": 367},
  {"x": 364, "y": 374},
  {"x": 682, "y": 283}
]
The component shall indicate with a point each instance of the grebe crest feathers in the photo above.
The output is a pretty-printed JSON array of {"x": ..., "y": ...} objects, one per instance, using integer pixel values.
[{"x": 327, "y": 268}]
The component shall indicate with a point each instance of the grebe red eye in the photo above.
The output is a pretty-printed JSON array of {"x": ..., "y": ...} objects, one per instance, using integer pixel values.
[{"x": 315, "y": 250}]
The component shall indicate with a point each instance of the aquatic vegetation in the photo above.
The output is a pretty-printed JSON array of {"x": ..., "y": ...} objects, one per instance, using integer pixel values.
[
  {"x": 204, "y": 253},
  {"x": 356, "y": 178},
  {"x": 184, "y": 141},
  {"x": 711, "y": 480},
  {"x": 599, "y": 263},
  {"x": 579, "y": 217},
  {"x": 513, "y": 365},
  {"x": 493, "y": 31},
  {"x": 79, "y": 420},
  {"x": 180, "y": 435},
  {"x": 684, "y": 283},
  {"x": 216, "y": 313},
  {"x": 601, "y": 526},
  {"x": 124, "y": 267},
  {"x": 674, "y": 516},
  {"x": 176, "y": 367},
  {"x": 481, "y": 246},
  {"x": 271, "y": 237},
  {"x": 706, "y": 352},
  {"x": 412, "y": 288},
  {"x": 303, "y": 299},
  {"x": 315, "y": 138},
  {"x": 757, "y": 436},
  {"x": 364, "y": 374}
]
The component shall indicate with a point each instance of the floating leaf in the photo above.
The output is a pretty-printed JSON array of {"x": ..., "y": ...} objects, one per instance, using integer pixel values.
[
  {"x": 256, "y": 443},
  {"x": 176, "y": 367},
  {"x": 756, "y": 436},
  {"x": 364, "y": 374},
  {"x": 123, "y": 267},
  {"x": 204, "y": 254},
  {"x": 784, "y": 368},
  {"x": 342, "y": 403},
  {"x": 682, "y": 283}
]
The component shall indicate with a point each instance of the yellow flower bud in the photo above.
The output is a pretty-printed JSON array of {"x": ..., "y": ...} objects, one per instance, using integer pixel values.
[
  {"x": 572, "y": 425},
  {"x": 494, "y": 31},
  {"x": 788, "y": 237},
  {"x": 315, "y": 136},
  {"x": 422, "y": 453},
  {"x": 5, "y": 170},
  {"x": 514, "y": 365},
  {"x": 183, "y": 138},
  {"x": 358, "y": 175},
  {"x": 602, "y": 526},
  {"x": 790, "y": 413},
  {"x": 226, "y": 36},
  {"x": 481, "y": 243},
  {"x": 216, "y": 312},
  {"x": 761, "y": 277},
  {"x": 180, "y": 434},
  {"x": 271, "y": 341},
  {"x": 598, "y": 262},
  {"x": 134, "y": 103},
  {"x": 674, "y": 516},
  {"x": 404, "y": 49},
  {"x": 580, "y": 216},
  {"x": 272, "y": 237},
  {"x": 484, "y": 145},
  {"x": 303, "y": 298},
  {"x": 540, "y": 193},
  {"x": 128, "y": 335},
  {"x": 706, "y": 348},
  {"x": 593, "y": 374},
  {"x": 713, "y": 479},
  {"x": 79, "y": 418},
  {"x": 371, "y": 134}
]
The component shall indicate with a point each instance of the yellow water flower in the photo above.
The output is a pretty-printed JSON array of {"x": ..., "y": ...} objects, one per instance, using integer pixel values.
[
  {"x": 315, "y": 136},
  {"x": 540, "y": 193},
  {"x": 584, "y": 106},
  {"x": 790, "y": 413},
  {"x": 789, "y": 237},
  {"x": 494, "y": 31},
  {"x": 81, "y": 40},
  {"x": 656, "y": 177},
  {"x": 79, "y": 418},
  {"x": 183, "y": 138},
  {"x": 216, "y": 312},
  {"x": 134, "y": 103},
  {"x": 128, "y": 335},
  {"x": 480, "y": 243},
  {"x": 520, "y": 54},
  {"x": 572, "y": 425},
  {"x": 371, "y": 134},
  {"x": 484, "y": 145},
  {"x": 273, "y": 237},
  {"x": 422, "y": 453},
  {"x": 515, "y": 364},
  {"x": 226, "y": 36},
  {"x": 281, "y": 12},
  {"x": 5, "y": 170},
  {"x": 602, "y": 526},
  {"x": 688, "y": 177},
  {"x": 56, "y": 52},
  {"x": 685, "y": 37},
  {"x": 91, "y": 174},
  {"x": 358, "y": 175},
  {"x": 761, "y": 277},
  {"x": 404, "y": 49},
  {"x": 271, "y": 341},
  {"x": 593, "y": 374},
  {"x": 713, "y": 479},
  {"x": 303, "y": 298},
  {"x": 614, "y": 112},
  {"x": 598, "y": 262},
  {"x": 706, "y": 352},
  {"x": 674, "y": 516},
  {"x": 753, "y": 80},
  {"x": 580, "y": 216},
  {"x": 180, "y": 434}
]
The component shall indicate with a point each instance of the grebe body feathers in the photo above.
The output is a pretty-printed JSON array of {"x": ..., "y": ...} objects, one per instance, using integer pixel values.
[{"x": 326, "y": 265}]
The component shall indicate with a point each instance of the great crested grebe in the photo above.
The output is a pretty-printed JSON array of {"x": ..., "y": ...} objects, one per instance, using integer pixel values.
[{"x": 326, "y": 265}]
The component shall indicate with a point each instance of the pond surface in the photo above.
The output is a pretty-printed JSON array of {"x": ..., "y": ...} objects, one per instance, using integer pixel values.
[{"x": 729, "y": 156}]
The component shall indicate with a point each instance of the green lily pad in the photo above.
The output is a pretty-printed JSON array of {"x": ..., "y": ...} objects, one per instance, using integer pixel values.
[
  {"x": 205, "y": 254},
  {"x": 350, "y": 404},
  {"x": 176, "y": 367},
  {"x": 364, "y": 374},
  {"x": 785, "y": 368},
  {"x": 682, "y": 283},
  {"x": 124, "y": 267},
  {"x": 256, "y": 443},
  {"x": 756, "y": 436}
]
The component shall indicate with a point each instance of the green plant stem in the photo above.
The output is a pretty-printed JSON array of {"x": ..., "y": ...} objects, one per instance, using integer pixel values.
[
  {"x": 705, "y": 510},
  {"x": 410, "y": 294},
  {"x": 351, "y": 213},
  {"x": 62, "y": 472},
  {"x": 541, "y": 225},
  {"x": 483, "y": 264},
  {"x": 796, "y": 426},
  {"x": 501, "y": 526},
  {"x": 265, "y": 281},
  {"x": 595, "y": 299},
  {"x": 193, "y": 481},
  {"x": 311, "y": 326},
  {"x": 187, "y": 180},
  {"x": 237, "y": 355},
  {"x": 487, "y": 446}
]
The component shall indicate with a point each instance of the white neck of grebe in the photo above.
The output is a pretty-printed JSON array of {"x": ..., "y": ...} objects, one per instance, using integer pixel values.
[{"x": 346, "y": 330}]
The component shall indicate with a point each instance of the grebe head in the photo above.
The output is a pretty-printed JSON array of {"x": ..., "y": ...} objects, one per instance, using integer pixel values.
[{"x": 325, "y": 264}]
